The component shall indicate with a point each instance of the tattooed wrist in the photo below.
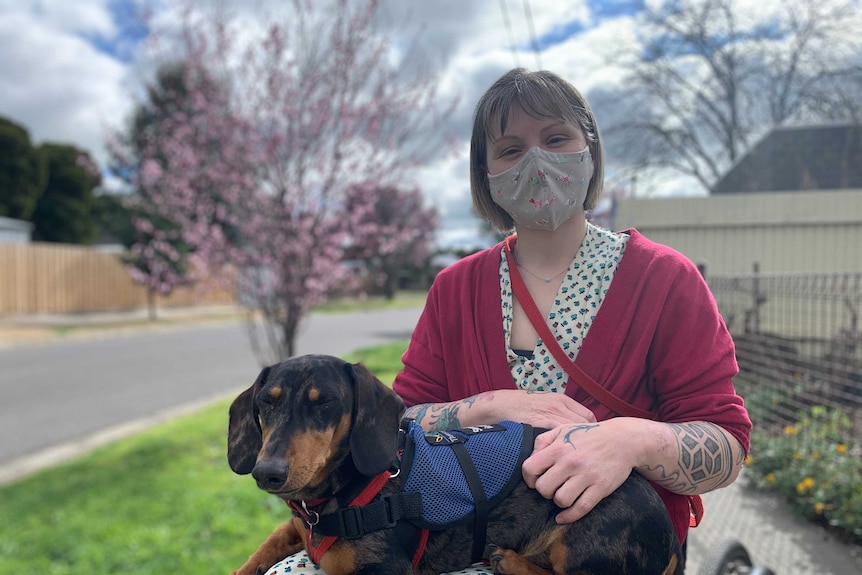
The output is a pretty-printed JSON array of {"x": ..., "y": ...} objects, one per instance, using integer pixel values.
[
  {"x": 440, "y": 416},
  {"x": 706, "y": 459}
]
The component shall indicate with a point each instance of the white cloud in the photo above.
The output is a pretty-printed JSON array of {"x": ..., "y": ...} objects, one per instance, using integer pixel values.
[
  {"x": 56, "y": 83},
  {"x": 80, "y": 16}
]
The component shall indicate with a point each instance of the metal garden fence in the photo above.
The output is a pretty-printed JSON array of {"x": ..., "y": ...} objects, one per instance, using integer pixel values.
[{"x": 798, "y": 343}]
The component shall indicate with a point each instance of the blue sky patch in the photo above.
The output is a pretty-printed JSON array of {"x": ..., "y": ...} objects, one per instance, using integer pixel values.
[
  {"x": 601, "y": 10},
  {"x": 130, "y": 31}
]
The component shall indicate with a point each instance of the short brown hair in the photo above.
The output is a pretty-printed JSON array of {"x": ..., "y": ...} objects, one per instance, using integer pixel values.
[{"x": 542, "y": 95}]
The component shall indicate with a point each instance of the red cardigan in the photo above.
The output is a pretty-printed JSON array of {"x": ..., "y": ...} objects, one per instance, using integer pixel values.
[{"x": 657, "y": 342}]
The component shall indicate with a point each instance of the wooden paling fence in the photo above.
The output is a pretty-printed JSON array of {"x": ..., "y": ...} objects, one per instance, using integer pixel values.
[{"x": 59, "y": 278}]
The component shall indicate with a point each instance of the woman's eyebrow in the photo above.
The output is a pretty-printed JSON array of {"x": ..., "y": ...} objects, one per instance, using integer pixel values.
[
  {"x": 502, "y": 139},
  {"x": 557, "y": 125}
]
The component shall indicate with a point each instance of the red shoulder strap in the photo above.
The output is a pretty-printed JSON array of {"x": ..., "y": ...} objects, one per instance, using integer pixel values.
[{"x": 587, "y": 383}]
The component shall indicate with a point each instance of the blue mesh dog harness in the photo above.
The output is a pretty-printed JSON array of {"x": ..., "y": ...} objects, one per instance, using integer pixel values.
[{"x": 460, "y": 474}]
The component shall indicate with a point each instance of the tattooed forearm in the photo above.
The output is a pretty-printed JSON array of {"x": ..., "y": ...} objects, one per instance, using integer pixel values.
[
  {"x": 439, "y": 415},
  {"x": 708, "y": 458}
]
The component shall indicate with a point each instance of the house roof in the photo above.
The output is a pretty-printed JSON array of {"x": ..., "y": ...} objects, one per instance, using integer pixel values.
[
  {"x": 15, "y": 225},
  {"x": 798, "y": 158}
]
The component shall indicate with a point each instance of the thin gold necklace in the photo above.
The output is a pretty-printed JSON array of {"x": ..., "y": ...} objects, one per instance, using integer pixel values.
[{"x": 546, "y": 279}]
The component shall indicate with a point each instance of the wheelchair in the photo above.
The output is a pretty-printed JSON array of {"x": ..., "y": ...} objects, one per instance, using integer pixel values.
[{"x": 731, "y": 558}]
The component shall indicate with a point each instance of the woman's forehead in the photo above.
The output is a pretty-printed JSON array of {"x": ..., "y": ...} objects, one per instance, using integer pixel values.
[{"x": 503, "y": 118}]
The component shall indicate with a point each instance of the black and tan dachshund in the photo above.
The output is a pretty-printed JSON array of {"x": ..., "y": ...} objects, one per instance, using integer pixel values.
[{"x": 317, "y": 432}]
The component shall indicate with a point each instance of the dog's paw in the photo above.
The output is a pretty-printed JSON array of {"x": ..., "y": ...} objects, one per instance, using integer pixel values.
[{"x": 507, "y": 562}]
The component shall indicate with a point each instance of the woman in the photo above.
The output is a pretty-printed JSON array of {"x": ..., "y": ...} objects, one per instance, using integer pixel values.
[{"x": 636, "y": 316}]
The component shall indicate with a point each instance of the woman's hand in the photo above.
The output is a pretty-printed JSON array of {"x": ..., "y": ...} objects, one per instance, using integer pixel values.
[
  {"x": 543, "y": 409},
  {"x": 578, "y": 465}
]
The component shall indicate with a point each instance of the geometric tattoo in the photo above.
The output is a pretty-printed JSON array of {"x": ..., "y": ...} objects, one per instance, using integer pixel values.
[{"x": 705, "y": 458}]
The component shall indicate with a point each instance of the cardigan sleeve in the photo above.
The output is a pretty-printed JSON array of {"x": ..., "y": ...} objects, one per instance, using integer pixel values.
[
  {"x": 423, "y": 378},
  {"x": 458, "y": 348},
  {"x": 692, "y": 360}
]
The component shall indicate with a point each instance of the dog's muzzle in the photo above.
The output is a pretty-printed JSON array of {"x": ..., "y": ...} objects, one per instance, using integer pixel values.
[{"x": 270, "y": 475}]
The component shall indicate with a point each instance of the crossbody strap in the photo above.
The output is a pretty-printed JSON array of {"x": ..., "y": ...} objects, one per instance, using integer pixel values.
[{"x": 587, "y": 383}]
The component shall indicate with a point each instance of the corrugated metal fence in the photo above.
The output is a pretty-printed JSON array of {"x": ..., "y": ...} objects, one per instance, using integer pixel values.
[
  {"x": 798, "y": 342},
  {"x": 58, "y": 278}
]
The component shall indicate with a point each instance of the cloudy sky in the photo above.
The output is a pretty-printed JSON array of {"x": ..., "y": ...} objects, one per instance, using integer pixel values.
[{"x": 68, "y": 68}]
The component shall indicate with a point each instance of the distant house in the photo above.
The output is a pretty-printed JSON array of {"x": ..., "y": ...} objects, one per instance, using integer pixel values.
[
  {"x": 800, "y": 158},
  {"x": 757, "y": 215},
  {"x": 15, "y": 231}
]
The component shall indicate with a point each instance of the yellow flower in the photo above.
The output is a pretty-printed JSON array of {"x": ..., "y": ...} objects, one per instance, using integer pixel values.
[
  {"x": 790, "y": 430},
  {"x": 770, "y": 478},
  {"x": 816, "y": 455},
  {"x": 749, "y": 460},
  {"x": 841, "y": 448},
  {"x": 819, "y": 507},
  {"x": 797, "y": 456},
  {"x": 804, "y": 485}
]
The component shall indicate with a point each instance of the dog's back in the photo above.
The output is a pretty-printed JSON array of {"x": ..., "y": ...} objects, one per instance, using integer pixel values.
[{"x": 628, "y": 532}]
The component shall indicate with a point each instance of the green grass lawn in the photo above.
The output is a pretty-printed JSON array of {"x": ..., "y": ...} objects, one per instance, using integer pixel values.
[
  {"x": 403, "y": 298},
  {"x": 163, "y": 501}
]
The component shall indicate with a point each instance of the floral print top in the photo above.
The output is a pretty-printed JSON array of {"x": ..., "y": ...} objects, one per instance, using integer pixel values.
[{"x": 583, "y": 289}]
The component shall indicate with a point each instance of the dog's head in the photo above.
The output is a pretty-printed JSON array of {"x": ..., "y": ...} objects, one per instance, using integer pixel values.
[{"x": 305, "y": 417}]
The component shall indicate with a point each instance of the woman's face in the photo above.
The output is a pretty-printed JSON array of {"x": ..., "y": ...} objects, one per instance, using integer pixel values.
[{"x": 524, "y": 132}]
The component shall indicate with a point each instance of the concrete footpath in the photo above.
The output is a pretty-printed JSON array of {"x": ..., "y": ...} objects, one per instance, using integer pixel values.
[{"x": 773, "y": 537}]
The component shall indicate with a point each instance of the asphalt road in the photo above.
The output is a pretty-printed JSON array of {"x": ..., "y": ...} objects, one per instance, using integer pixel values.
[{"x": 60, "y": 398}]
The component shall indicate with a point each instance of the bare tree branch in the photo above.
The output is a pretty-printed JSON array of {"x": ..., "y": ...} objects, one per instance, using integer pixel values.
[{"x": 708, "y": 78}]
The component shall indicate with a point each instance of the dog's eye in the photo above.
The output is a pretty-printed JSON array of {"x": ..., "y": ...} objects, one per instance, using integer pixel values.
[
  {"x": 265, "y": 404},
  {"x": 268, "y": 397}
]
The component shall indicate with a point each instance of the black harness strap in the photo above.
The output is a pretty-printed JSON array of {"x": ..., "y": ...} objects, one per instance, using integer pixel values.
[
  {"x": 384, "y": 513},
  {"x": 480, "y": 500}
]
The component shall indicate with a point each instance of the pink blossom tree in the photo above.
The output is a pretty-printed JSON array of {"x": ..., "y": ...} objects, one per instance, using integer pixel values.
[
  {"x": 391, "y": 230},
  {"x": 158, "y": 258},
  {"x": 255, "y": 168}
]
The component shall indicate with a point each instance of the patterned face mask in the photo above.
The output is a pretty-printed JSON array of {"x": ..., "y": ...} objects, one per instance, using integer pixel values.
[{"x": 544, "y": 189}]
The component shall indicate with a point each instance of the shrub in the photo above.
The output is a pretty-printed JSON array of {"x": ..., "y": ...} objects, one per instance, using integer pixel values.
[{"x": 813, "y": 467}]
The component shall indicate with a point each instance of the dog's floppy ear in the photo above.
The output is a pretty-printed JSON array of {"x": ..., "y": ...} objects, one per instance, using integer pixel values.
[
  {"x": 244, "y": 437},
  {"x": 377, "y": 412}
]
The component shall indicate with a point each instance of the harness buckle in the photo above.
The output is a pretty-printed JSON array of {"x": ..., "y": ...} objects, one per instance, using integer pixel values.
[
  {"x": 350, "y": 522},
  {"x": 392, "y": 515}
]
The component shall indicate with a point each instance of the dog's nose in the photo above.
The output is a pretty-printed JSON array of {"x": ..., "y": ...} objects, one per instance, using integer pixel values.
[{"x": 270, "y": 475}]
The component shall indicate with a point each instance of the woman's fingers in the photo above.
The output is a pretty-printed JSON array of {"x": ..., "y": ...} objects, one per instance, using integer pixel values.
[{"x": 571, "y": 465}]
